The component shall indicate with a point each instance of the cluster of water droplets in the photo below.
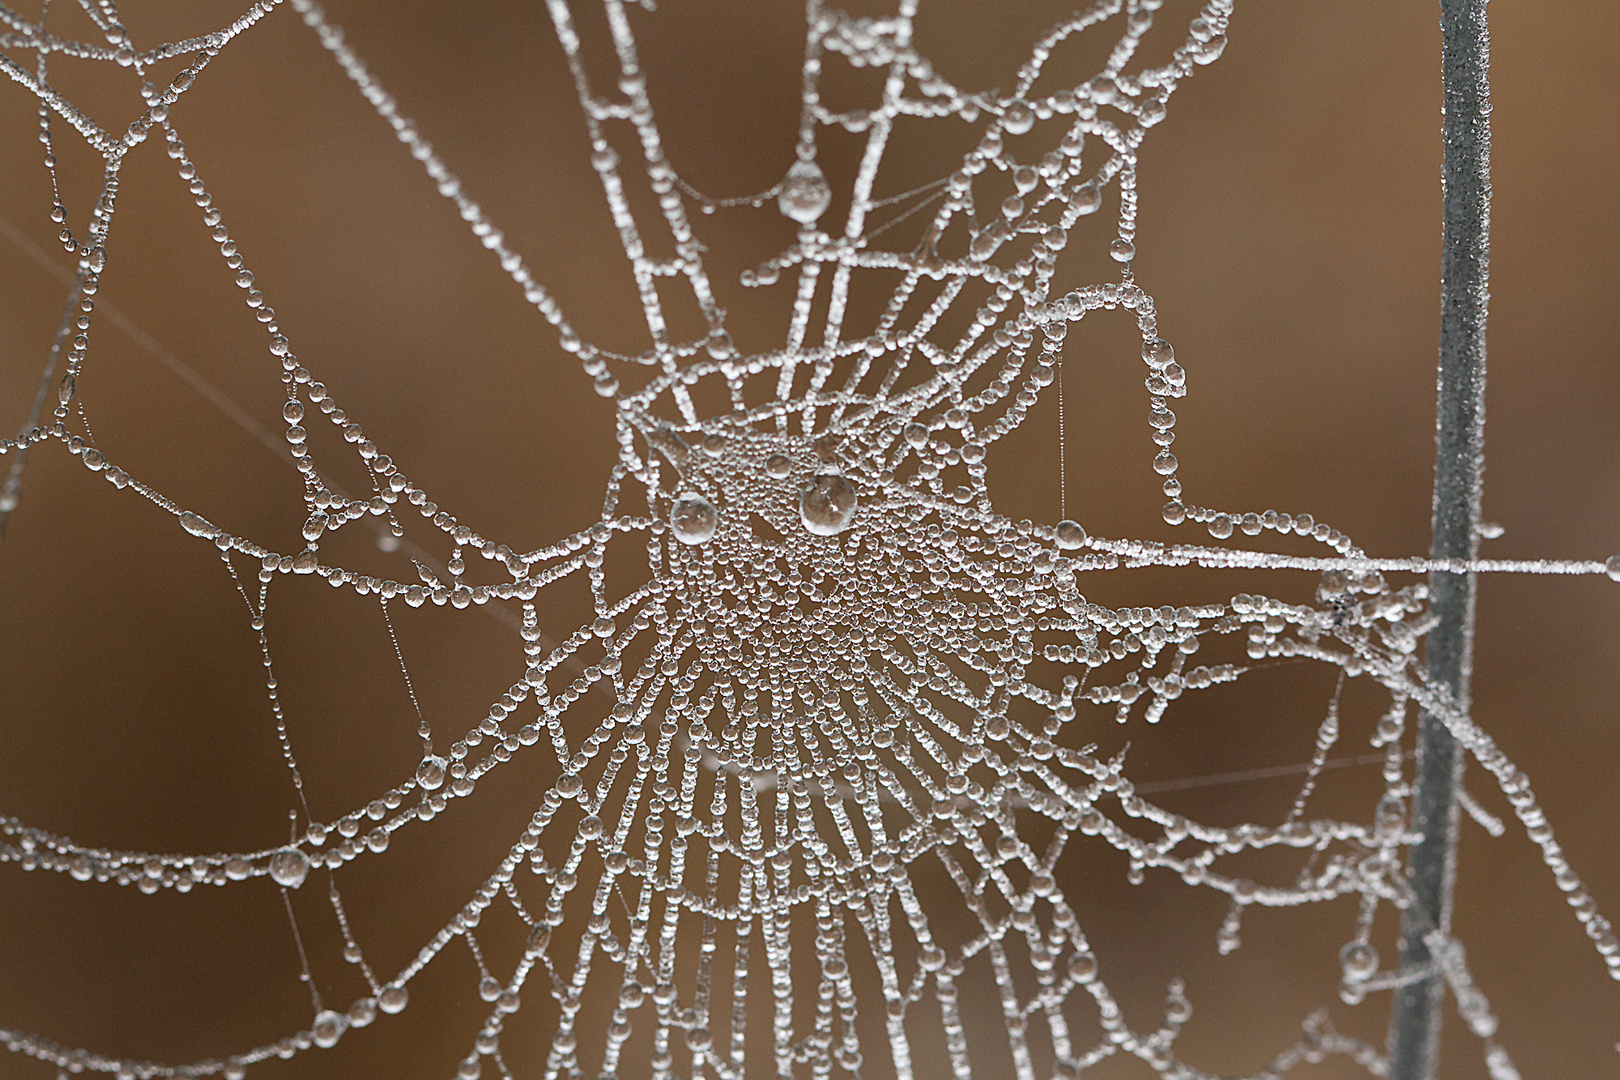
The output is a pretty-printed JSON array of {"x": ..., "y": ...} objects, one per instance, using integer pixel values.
[{"x": 818, "y": 728}]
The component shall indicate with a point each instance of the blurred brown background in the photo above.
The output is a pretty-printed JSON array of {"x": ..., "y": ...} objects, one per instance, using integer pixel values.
[{"x": 1289, "y": 231}]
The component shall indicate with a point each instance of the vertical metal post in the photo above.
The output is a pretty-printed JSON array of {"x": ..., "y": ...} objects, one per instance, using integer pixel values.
[{"x": 1414, "y": 1038}]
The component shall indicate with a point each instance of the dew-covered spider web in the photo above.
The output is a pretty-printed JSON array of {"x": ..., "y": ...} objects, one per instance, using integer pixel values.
[{"x": 815, "y": 763}]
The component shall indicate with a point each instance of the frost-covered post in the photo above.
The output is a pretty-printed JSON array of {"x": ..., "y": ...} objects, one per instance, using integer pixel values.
[{"x": 1414, "y": 1040}]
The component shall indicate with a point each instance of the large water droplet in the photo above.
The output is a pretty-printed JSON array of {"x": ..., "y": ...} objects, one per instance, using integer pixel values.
[
  {"x": 805, "y": 195},
  {"x": 329, "y": 1027},
  {"x": 1070, "y": 535},
  {"x": 827, "y": 506},
  {"x": 362, "y": 1012},
  {"x": 430, "y": 774},
  {"x": 1017, "y": 118},
  {"x": 314, "y": 525},
  {"x": 393, "y": 999},
  {"x": 1082, "y": 967},
  {"x": 289, "y": 867},
  {"x": 1359, "y": 959},
  {"x": 1612, "y": 567},
  {"x": 693, "y": 519},
  {"x": 198, "y": 526}
]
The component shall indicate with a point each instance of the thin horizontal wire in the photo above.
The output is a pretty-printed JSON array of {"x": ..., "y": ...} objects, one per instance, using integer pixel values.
[{"x": 1153, "y": 787}]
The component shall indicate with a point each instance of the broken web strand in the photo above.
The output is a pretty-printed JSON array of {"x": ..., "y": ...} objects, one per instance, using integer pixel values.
[{"x": 922, "y": 719}]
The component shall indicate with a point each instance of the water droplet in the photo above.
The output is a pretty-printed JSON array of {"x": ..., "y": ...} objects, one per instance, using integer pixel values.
[
  {"x": 1612, "y": 567},
  {"x": 393, "y": 999},
  {"x": 1174, "y": 512},
  {"x": 915, "y": 434},
  {"x": 931, "y": 958},
  {"x": 1165, "y": 463},
  {"x": 693, "y": 519},
  {"x": 329, "y": 1027},
  {"x": 1359, "y": 959},
  {"x": 488, "y": 988},
  {"x": 827, "y": 505},
  {"x": 590, "y": 827},
  {"x": 1390, "y": 816},
  {"x": 714, "y": 444},
  {"x": 1220, "y": 526},
  {"x": 64, "y": 392},
  {"x": 289, "y": 867},
  {"x": 362, "y": 1012},
  {"x": 1017, "y": 118},
  {"x": 1122, "y": 250},
  {"x": 1070, "y": 535},
  {"x": 778, "y": 465},
  {"x": 1209, "y": 51},
  {"x": 293, "y": 411},
  {"x": 805, "y": 195},
  {"x": 1083, "y": 967},
  {"x": 314, "y": 525},
  {"x": 1087, "y": 198},
  {"x": 198, "y": 526},
  {"x": 719, "y": 344},
  {"x": 430, "y": 774}
]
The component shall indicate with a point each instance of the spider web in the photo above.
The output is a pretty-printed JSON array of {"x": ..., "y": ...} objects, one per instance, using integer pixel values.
[{"x": 816, "y": 760}]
